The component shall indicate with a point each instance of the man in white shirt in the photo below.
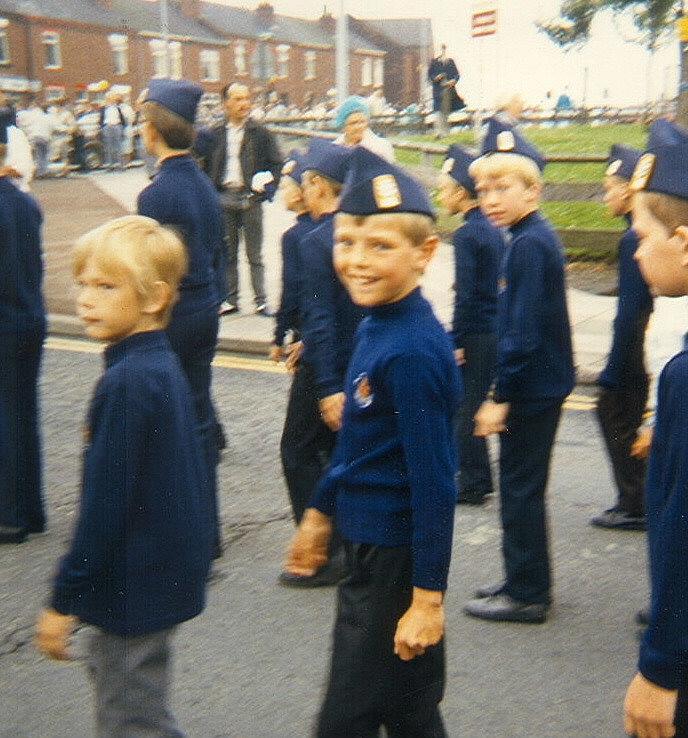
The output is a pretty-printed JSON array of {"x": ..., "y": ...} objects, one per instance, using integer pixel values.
[
  {"x": 112, "y": 122},
  {"x": 38, "y": 126},
  {"x": 18, "y": 163}
]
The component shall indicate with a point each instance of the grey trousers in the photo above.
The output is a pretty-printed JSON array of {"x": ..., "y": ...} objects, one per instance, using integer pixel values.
[
  {"x": 131, "y": 675},
  {"x": 250, "y": 221}
]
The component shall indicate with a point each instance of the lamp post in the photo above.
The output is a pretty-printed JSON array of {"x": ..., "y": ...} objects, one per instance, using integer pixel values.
[
  {"x": 342, "y": 54},
  {"x": 165, "y": 33}
]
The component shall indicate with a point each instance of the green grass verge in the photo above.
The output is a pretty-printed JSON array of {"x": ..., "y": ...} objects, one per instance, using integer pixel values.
[{"x": 580, "y": 215}]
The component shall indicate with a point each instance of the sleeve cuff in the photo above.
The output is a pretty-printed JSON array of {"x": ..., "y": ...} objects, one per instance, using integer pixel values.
[{"x": 660, "y": 669}]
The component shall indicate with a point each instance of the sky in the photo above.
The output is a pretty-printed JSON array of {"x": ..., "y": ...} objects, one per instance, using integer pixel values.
[{"x": 519, "y": 58}]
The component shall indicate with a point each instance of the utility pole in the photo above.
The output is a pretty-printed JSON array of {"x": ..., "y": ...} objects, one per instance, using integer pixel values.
[
  {"x": 342, "y": 54},
  {"x": 165, "y": 33},
  {"x": 682, "y": 105}
]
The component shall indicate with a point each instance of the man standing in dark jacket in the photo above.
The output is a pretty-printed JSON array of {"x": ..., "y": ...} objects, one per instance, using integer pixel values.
[
  {"x": 444, "y": 74},
  {"x": 243, "y": 160}
]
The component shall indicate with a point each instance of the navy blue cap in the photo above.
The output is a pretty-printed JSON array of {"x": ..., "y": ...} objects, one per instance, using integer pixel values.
[
  {"x": 328, "y": 159},
  {"x": 662, "y": 168},
  {"x": 503, "y": 138},
  {"x": 375, "y": 186},
  {"x": 293, "y": 166},
  {"x": 622, "y": 161},
  {"x": 177, "y": 95},
  {"x": 456, "y": 166}
]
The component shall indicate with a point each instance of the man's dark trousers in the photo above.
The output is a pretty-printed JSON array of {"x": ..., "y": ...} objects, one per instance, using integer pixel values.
[
  {"x": 248, "y": 219},
  {"x": 525, "y": 453},
  {"x": 475, "y": 477},
  {"x": 370, "y": 686},
  {"x": 620, "y": 413}
]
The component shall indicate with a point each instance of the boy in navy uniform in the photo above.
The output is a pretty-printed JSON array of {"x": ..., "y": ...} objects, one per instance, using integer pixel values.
[
  {"x": 330, "y": 319},
  {"x": 624, "y": 380},
  {"x": 534, "y": 371},
  {"x": 478, "y": 250},
  {"x": 141, "y": 551},
  {"x": 183, "y": 197},
  {"x": 390, "y": 486},
  {"x": 657, "y": 698},
  {"x": 22, "y": 331}
]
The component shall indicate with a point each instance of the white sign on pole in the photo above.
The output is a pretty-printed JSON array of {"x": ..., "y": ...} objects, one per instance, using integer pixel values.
[{"x": 483, "y": 20}]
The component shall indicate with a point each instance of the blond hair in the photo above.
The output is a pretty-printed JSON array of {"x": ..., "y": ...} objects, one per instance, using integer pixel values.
[
  {"x": 671, "y": 211},
  {"x": 138, "y": 247},
  {"x": 416, "y": 227},
  {"x": 499, "y": 164}
]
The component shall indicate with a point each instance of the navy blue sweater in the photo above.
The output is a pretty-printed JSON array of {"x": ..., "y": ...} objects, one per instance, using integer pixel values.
[
  {"x": 141, "y": 549},
  {"x": 478, "y": 251},
  {"x": 21, "y": 261},
  {"x": 289, "y": 314},
  {"x": 182, "y": 197},
  {"x": 535, "y": 360},
  {"x": 330, "y": 318},
  {"x": 664, "y": 649},
  {"x": 625, "y": 364},
  {"x": 391, "y": 478}
]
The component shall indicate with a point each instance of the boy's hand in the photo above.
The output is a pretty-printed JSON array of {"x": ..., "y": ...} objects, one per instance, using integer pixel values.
[
  {"x": 276, "y": 353},
  {"x": 649, "y": 709},
  {"x": 421, "y": 626},
  {"x": 308, "y": 550},
  {"x": 293, "y": 352},
  {"x": 491, "y": 418},
  {"x": 52, "y": 633},
  {"x": 643, "y": 441},
  {"x": 332, "y": 409},
  {"x": 460, "y": 356}
]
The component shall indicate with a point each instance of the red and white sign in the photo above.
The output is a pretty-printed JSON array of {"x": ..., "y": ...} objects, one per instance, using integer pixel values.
[{"x": 484, "y": 22}]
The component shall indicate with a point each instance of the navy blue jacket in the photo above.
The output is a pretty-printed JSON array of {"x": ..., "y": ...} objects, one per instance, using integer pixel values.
[
  {"x": 478, "y": 252},
  {"x": 289, "y": 314},
  {"x": 21, "y": 261},
  {"x": 181, "y": 196},
  {"x": 664, "y": 649},
  {"x": 535, "y": 360},
  {"x": 141, "y": 549},
  {"x": 391, "y": 477},
  {"x": 330, "y": 318},
  {"x": 626, "y": 361}
]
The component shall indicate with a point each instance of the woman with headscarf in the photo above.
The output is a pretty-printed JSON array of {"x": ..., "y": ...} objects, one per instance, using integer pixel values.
[{"x": 353, "y": 118}]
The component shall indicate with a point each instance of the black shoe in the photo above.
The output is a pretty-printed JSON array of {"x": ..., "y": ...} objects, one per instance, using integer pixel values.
[
  {"x": 328, "y": 576},
  {"x": 10, "y": 534},
  {"x": 264, "y": 310},
  {"x": 617, "y": 519},
  {"x": 503, "y": 608},
  {"x": 642, "y": 617},
  {"x": 489, "y": 590},
  {"x": 471, "y": 498}
]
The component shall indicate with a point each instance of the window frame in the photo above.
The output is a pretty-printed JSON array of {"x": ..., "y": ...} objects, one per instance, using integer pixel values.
[
  {"x": 51, "y": 40},
  {"x": 204, "y": 65}
]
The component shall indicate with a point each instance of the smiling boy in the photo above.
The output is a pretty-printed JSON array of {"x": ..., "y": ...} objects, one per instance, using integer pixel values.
[
  {"x": 390, "y": 485},
  {"x": 534, "y": 371},
  {"x": 139, "y": 558}
]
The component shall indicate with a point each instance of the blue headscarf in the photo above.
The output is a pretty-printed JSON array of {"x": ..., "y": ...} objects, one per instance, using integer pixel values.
[{"x": 353, "y": 104}]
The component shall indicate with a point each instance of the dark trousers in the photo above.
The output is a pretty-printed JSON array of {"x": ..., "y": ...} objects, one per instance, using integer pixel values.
[
  {"x": 681, "y": 719},
  {"x": 620, "y": 413},
  {"x": 21, "y": 499},
  {"x": 250, "y": 221},
  {"x": 369, "y": 686},
  {"x": 475, "y": 477},
  {"x": 306, "y": 444},
  {"x": 525, "y": 453},
  {"x": 194, "y": 339}
]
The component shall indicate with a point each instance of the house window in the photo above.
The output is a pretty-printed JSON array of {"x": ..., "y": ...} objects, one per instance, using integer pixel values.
[
  {"x": 240, "y": 58},
  {"x": 309, "y": 58},
  {"x": 120, "y": 52},
  {"x": 367, "y": 72},
  {"x": 379, "y": 72},
  {"x": 159, "y": 55},
  {"x": 4, "y": 42},
  {"x": 52, "y": 58},
  {"x": 283, "y": 60},
  {"x": 175, "y": 60},
  {"x": 210, "y": 65}
]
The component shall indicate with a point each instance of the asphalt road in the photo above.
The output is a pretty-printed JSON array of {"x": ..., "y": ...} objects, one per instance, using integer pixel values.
[{"x": 253, "y": 665}]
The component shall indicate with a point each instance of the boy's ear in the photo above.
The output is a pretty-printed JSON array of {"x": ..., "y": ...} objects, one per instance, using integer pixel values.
[
  {"x": 681, "y": 233},
  {"x": 159, "y": 298},
  {"x": 426, "y": 251}
]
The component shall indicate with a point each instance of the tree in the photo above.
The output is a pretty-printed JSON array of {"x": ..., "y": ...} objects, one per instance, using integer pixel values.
[{"x": 652, "y": 18}]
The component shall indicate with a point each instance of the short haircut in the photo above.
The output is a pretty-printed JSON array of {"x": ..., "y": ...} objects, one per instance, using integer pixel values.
[
  {"x": 138, "y": 247},
  {"x": 416, "y": 227},
  {"x": 227, "y": 90},
  {"x": 501, "y": 163},
  {"x": 669, "y": 210},
  {"x": 447, "y": 178},
  {"x": 176, "y": 131},
  {"x": 334, "y": 186}
]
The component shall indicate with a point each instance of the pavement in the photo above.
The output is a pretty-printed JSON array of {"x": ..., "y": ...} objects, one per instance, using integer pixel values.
[{"x": 99, "y": 196}]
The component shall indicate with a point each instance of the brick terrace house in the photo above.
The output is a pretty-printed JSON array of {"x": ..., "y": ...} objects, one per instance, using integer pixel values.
[{"x": 58, "y": 47}]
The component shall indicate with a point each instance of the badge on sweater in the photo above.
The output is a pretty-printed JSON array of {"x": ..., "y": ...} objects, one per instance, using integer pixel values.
[
  {"x": 501, "y": 284},
  {"x": 363, "y": 393},
  {"x": 386, "y": 192}
]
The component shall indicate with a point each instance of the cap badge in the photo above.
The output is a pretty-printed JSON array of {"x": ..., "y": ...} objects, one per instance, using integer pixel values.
[
  {"x": 614, "y": 167},
  {"x": 643, "y": 171},
  {"x": 448, "y": 165},
  {"x": 386, "y": 192},
  {"x": 288, "y": 167},
  {"x": 506, "y": 141}
]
